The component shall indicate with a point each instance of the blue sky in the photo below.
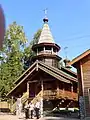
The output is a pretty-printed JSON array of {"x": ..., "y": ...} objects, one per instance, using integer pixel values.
[{"x": 69, "y": 21}]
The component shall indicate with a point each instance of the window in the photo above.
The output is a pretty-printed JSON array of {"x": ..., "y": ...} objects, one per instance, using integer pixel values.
[{"x": 47, "y": 47}]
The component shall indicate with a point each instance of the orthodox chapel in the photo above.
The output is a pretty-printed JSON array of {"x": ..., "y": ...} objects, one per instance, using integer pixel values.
[{"x": 45, "y": 80}]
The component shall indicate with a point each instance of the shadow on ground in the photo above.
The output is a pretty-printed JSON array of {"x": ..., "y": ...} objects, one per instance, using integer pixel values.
[{"x": 63, "y": 115}]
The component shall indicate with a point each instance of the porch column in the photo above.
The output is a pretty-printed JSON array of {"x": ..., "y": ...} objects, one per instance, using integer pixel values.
[
  {"x": 52, "y": 50},
  {"x": 44, "y": 49},
  {"x": 72, "y": 87},
  {"x": 63, "y": 87},
  {"x": 56, "y": 52},
  {"x": 42, "y": 98},
  {"x": 28, "y": 89},
  {"x": 57, "y": 89},
  {"x": 12, "y": 102}
]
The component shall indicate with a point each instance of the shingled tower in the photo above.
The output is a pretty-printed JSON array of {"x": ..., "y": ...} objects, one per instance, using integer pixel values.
[{"x": 46, "y": 50}]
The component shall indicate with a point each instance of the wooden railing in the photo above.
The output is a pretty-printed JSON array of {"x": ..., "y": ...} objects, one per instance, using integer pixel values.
[
  {"x": 37, "y": 97},
  {"x": 48, "y": 94},
  {"x": 13, "y": 107},
  {"x": 47, "y": 52},
  {"x": 52, "y": 94},
  {"x": 4, "y": 104},
  {"x": 23, "y": 99},
  {"x": 68, "y": 95}
]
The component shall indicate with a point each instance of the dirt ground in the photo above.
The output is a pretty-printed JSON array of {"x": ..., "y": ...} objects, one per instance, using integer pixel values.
[
  {"x": 5, "y": 116},
  {"x": 8, "y": 117},
  {"x": 14, "y": 117}
]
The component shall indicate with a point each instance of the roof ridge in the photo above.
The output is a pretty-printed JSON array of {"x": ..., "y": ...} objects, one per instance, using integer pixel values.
[
  {"x": 58, "y": 70},
  {"x": 79, "y": 57},
  {"x": 55, "y": 75},
  {"x": 69, "y": 70}
]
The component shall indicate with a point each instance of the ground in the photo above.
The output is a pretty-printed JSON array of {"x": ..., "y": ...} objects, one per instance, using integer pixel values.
[{"x": 4, "y": 116}]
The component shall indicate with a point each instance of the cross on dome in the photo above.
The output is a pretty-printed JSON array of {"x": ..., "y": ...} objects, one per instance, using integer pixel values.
[{"x": 46, "y": 35}]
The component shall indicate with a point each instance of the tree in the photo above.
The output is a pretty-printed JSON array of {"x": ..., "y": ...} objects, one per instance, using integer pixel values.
[
  {"x": 28, "y": 53},
  {"x": 12, "y": 57}
]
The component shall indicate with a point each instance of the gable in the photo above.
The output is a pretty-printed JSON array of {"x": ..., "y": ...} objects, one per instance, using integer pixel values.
[
  {"x": 40, "y": 66},
  {"x": 25, "y": 73},
  {"x": 79, "y": 58}
]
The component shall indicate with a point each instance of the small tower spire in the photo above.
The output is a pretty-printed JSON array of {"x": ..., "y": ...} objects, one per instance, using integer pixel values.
[
  {"x": 46, "y": 35},
  {"x": 66, "y": 60}
]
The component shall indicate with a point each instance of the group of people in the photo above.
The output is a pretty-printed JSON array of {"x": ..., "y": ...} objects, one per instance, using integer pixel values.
[{"x": 32, "y": 110}]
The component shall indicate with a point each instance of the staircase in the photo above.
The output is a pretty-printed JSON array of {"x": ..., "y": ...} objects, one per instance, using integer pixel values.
[
  {"x": 37, "y": 97},
  {"x": 23, "y": 100}
]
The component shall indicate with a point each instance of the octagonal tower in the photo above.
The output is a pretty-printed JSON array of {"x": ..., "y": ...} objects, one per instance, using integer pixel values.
[{"x": 46, "y": 50}]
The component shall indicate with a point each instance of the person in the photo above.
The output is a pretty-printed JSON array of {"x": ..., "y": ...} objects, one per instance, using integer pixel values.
[
  {"x": 19, "y": 107},
  {"x": 37, "y": 108},
  {"x": 31, "y": 106},
  {"x": 2, "y": 26},
  {"x": 26, "y": 111}
]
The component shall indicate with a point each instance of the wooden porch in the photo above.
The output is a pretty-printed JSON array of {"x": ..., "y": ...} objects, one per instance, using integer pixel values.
[
  {"x": 60, "y": 94},
  {"x": 55, "y": 94},
  {"x": 48, "y": 95}
]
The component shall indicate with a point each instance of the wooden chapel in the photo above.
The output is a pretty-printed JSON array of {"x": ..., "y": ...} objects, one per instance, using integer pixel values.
[{"x": 45, "y": 79}]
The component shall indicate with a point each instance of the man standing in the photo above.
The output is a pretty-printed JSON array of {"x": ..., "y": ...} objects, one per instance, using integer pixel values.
[
  {"x": 26, "y": 111},
  {"x": 2, "y": 26},
  {"x": 31, "y": 105},
  {"x": 37, "y": 108}
]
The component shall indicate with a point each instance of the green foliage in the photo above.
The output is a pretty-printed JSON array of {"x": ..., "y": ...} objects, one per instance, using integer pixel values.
[
  {"x": 28, "y": 53},
  {"x": 15, "y": 56},
  {"x": 36, "y": 37},
  {"x": 11, "y": 57}
]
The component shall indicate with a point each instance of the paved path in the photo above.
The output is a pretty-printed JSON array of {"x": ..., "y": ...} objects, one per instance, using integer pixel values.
[{"x": 14, "y": 117}]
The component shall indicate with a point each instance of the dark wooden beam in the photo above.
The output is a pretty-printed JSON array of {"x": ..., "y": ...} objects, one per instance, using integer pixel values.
[{"x": 34, "y": 81}]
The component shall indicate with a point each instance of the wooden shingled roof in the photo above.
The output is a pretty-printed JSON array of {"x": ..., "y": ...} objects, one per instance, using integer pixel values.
[
  {"x": 46, "y": 35},
  {"x": 78, "y": 58},
  {"x": 54, "y": 72}
]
